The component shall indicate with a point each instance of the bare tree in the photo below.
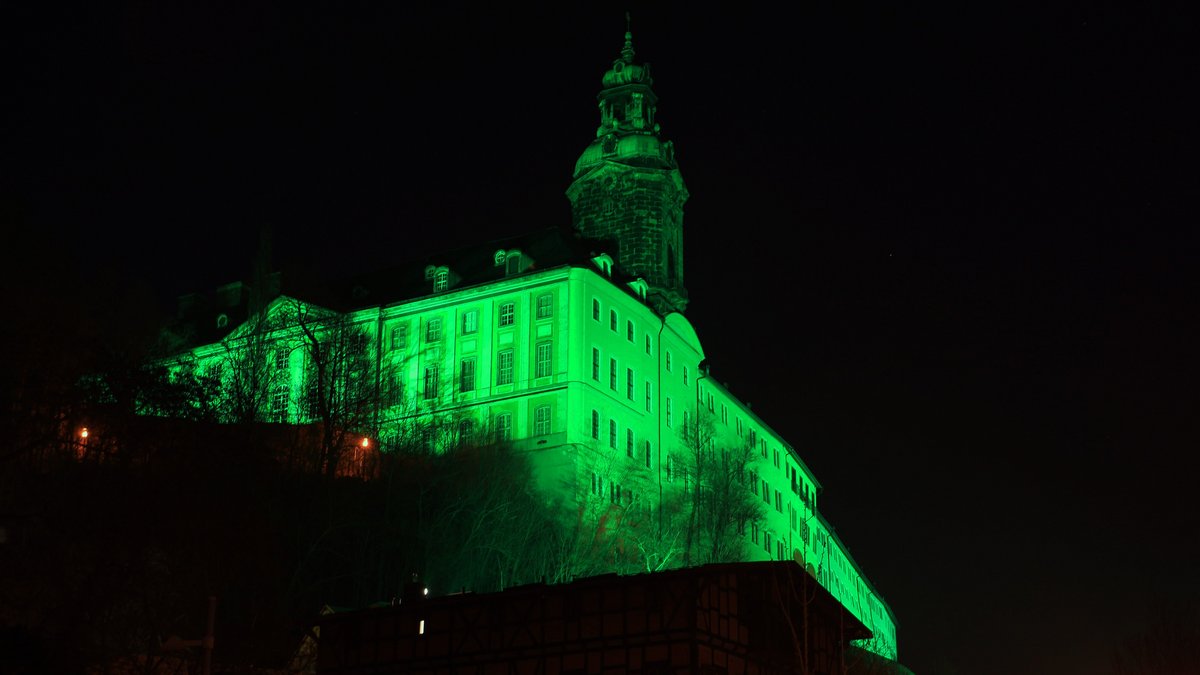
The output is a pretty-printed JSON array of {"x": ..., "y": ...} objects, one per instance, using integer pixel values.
[{"x": 711, "y": 479}]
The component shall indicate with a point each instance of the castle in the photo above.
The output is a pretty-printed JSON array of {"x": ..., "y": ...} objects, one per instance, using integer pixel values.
[{"x": 570, "y": 344}]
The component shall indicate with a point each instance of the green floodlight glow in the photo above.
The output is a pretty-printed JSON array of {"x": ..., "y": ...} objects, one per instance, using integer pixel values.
[{"x": 590, "y": 370}]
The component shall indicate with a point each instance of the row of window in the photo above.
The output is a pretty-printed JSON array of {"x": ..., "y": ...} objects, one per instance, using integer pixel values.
[
  {"x": 613, "y": 323},
  {"x": 505, "y": 316},
  {"x": 614, "y": 438},
  {"x": 505, "y": 358},
  {"x": 613, "y": 376}
]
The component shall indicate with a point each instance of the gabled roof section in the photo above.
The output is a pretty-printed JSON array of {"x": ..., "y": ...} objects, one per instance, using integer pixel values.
[{"x": 471, "y": 265}]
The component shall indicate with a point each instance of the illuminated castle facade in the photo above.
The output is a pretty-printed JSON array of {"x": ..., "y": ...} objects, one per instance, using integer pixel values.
[{"x": 572, "y": 344}]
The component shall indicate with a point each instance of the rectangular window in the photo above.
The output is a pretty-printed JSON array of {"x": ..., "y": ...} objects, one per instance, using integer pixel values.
[
  {"x": 431, "y": 382},
  {"x": 710, "y": 402},
  {"x": 647, "y": 454},
  {"x": 595, "y": 364},
  {"x": 685, "y": 376},
  {"x": 724, "y": 414},
  {"x": 279, "y": 403},
  {"x": 542, "y": 424},
  {"x": 281, "y": 359},
  {"x": 504, "y": 367},
  {"x": 504, "y": 427},
  {"x": 778, "y": 501},
  {"x": 595, "y": 309},
  {"x": 399, "y": 336},
  {"x": 433, "y": 330},
  {"x": 668, "y": 411},
  {"x": 668, "y": 361},
  {"x": 612, "y": 374},
  {"x": 545, "y": 306},
  {"x": 647, "y": 397},
  {"x": 470, "y": 321},
  {"x": 629, "y": 443},
  {"x": 596, "y": 425},
  {"x": 466, "y": 375},
  {"x": 629, "y": 383},
  {"x": 612, "y": 320},
  {"x": 507, "y": 311},
  {"x": 629, "y": 331},
  {"x": 776, "y": 458},
  {"x": 766, "y": 492},
  {"x": 612, "y": 434},
  {"x": 544, "y": 363},
  {"x": 647, "y": 343}
]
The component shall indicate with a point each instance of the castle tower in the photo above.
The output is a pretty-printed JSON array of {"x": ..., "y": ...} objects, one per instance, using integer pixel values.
[{"x": 627, "y": 186}]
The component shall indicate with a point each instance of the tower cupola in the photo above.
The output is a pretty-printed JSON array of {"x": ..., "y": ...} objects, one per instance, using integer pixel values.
[{"x": 627, "y": 185}]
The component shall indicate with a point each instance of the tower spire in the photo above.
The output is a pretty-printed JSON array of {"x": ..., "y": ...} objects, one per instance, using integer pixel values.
[{"x": 627, "y": 51}]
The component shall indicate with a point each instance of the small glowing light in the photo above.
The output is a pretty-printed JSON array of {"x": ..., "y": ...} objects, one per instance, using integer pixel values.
[
  {"x": 421, "y": 628},
  {"x": 84, "y": 433},
  {"x": 366, "y": 442},
  {"x": 426, "y": 591}
]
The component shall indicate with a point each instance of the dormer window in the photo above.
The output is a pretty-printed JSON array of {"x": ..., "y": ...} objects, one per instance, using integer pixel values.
[
  {"x": 604, "y": 262},
  {"x": 441, "y": 280},
  {"x": 639, "y": 287},
  {"x": 516, "y": 262}
]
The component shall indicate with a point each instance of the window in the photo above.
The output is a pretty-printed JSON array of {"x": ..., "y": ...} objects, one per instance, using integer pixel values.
[
  {"x": 544, "y": 363},
  {"x": 629, "y": 443},
  {"x": 776, "y": 458},
  {"x": 612, "y": 374},
  {"x": 668, "y": 411},
  {"x": 281, "y": 359},
  {"x": 470, "y": 321},
  {"x": 279, "y": 403},
  {"x": 647, "y": 344},
  {"x": 710, "y": 402},
  {"x": 767, "y": 542},
  {"x": 441, "y": 280},
  {"x": 668, "y": 361},
  {"x": 595, "y": 364},
  {"x": 400, "y": 336},
  {"x": 504, "y": 427},
  {"x": 612, "y": 320},
  {"x": 724, "y": 414},
  {"x": 466, "y": 375},
  {"x": 433, "y": 330},
  {"x": 647, "y": 454},
  {"x": 629, "y": 383},
  {"x": 504, "y": 367},
  {"x": 595, "y": 309},
  {"x": 596, "y": 425},
  {"x": 507, "y": 312},
  {"x": 629, "y": 331},
  {"x": 762, "y": 444},
  {"x": 685, "y": 376},
  {"x": 514, "y": 263},
  {"x": 466, "y": 430},
  {"x": 542, "y": 424},
  {"x": 545, "y": 306},
  {"x": 431, "y": 382},
  {"x": 647, "y": 397},
  {"x": 778, "y": 501},
  {"x": 612, "y": 434},
  {"x": 766, "y": 492},
  {"x": 754, "y": 440}
]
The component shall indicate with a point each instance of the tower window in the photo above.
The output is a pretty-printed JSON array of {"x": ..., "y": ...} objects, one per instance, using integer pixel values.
[
  {"x": 507, "y": 312},
  {"x": 545, "y": 306},
  {"x": 504, "y": 427},
  {"x": 541, "y": 421},
  {"x": 543, "y": 367},
  {"x": 504, "y": 367},
  {"x": 466, "y": 379},
  {"x": 431, "y": 382}
]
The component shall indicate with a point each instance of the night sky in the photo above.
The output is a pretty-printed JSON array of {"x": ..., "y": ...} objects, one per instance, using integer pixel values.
[{"x": 945, "y": 251}]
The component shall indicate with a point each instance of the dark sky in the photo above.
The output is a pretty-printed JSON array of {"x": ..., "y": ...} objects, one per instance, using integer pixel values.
[{"x": 945, "y": 251}]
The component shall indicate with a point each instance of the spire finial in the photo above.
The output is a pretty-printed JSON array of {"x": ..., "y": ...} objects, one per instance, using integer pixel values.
[{"x": 627, "y": 50}]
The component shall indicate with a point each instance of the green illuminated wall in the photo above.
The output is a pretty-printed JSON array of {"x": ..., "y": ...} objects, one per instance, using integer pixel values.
[{"x": 564, "y": 356}]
